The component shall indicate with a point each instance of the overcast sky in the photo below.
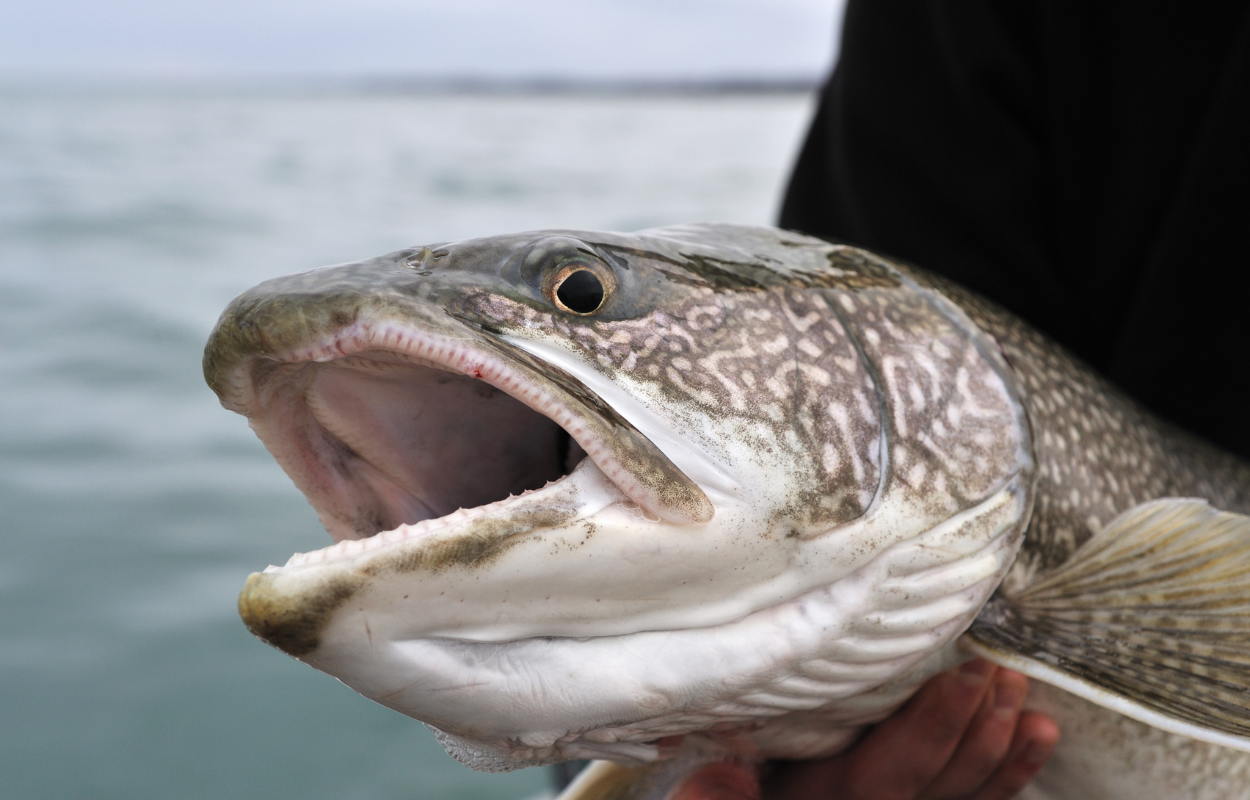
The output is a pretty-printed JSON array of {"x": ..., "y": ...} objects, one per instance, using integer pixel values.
[{"x": 646, "y": 39}]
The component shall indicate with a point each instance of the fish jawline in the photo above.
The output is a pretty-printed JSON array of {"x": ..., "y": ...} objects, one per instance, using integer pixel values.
[
  {"x": 250, "y": 392},
  {"x": 447, "y": 525}
]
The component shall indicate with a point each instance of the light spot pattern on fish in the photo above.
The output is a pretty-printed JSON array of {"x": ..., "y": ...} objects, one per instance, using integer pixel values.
[{"x": 594, "y": 492}]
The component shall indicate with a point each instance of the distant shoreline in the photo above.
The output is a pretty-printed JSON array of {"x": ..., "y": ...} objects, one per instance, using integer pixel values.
[
  {"x": 422, "y": 85},
  {"x": 679, "y": 86}
]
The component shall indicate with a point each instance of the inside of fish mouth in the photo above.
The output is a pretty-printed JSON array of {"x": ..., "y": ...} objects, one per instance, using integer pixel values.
[{"x": 406, "y": 442}]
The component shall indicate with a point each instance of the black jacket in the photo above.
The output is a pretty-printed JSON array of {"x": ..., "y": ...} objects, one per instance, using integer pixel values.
[{"x": 1085, "y": 164}]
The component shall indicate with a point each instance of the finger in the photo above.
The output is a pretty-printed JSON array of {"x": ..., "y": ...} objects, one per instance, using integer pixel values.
[
  {"x": 986, "y": 742},
  {"x": 1036, "y": 737},
  {"x": 804, "y": 779},
  {"x": 903, "y": 754}
]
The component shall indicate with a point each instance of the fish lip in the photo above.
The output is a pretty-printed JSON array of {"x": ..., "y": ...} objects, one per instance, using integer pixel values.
[{"x": 481, "y": 355}]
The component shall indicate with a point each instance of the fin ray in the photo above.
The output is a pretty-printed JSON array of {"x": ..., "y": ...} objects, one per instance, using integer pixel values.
[{"x": 1151, "y": 618}]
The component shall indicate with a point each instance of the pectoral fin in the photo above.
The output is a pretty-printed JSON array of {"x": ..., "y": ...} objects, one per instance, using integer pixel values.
[
  {"x": 1150, "y": 618},
  {"x": 603, "y": 780}
]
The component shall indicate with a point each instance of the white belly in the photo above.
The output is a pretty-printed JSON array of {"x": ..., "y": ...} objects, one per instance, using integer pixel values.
[{"x": 1103, "y": 755}]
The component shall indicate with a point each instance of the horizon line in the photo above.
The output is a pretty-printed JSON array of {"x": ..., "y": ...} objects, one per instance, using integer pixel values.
[{"x": 430, "y": 84}]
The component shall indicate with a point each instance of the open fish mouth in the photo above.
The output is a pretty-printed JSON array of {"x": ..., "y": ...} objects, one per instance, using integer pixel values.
[
  {"x": 393, "y": 431},
  {"x": 519, "y": 564}
]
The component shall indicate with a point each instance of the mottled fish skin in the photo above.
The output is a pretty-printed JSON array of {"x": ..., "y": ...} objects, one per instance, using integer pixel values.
[
  {"x": 1099, "y": 454},
  {"x": 843, "y": 391},
  {"x": 861, "y": 442},
  {"x": 1108, "y": 756}
]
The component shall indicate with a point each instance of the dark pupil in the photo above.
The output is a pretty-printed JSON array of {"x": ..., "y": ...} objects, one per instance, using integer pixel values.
[{"x": 581, "y": 291}]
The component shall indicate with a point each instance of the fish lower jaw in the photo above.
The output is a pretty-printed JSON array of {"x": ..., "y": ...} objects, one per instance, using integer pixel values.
[
  {"x": 355, "y": 547},
  {"x": 586, "y": 489}
]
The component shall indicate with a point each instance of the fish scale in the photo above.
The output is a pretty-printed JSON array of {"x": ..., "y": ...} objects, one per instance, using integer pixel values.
[{"x": 1098, "y": 452}]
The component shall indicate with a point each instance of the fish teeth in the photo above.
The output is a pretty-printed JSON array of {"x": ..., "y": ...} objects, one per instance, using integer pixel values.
[
  {"x": 354, "y": 547},
  {"x": 394, "y": 536}
]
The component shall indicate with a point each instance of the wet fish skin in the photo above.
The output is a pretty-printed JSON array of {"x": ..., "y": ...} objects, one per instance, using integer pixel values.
[
  {"x": 747, "y": 359},
  {"x": 1079, "y": 452},
  {"x": 1100, "y": 454}
]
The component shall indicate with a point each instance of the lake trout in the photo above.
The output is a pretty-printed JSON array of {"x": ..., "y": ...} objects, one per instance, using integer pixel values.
[{"x": 714, "y": 492}]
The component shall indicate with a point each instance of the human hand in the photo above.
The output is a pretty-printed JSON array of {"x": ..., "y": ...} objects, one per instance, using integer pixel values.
[{"x": 961, "y": 737}]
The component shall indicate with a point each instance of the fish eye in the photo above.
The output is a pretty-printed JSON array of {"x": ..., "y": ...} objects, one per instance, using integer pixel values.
[
  {"x": 580, "y": 291},
  {"x": 579, "y": 287},
  {"x": 569, "y": 275}
]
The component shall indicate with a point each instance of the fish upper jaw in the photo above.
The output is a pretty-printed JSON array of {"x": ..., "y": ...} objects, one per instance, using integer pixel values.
[
  {"x": 302, "y": 404},
  {"x": 700, "y": 457},
  {"x": 354, "y": 455}
]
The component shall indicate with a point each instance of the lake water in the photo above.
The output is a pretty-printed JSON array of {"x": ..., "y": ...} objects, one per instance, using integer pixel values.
[{"x": 132, "y": 506}]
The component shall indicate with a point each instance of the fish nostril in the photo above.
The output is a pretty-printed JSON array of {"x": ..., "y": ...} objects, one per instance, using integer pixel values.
[
  {"x": 418, "y": 261},
  {"x": 421, "y": 260}
]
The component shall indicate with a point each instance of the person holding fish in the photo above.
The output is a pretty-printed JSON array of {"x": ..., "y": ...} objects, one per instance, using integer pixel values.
[
  {"x": 712, "y": 504},
  {"x": 982, "y": 140},
  {"x": 962, "y": 736}
]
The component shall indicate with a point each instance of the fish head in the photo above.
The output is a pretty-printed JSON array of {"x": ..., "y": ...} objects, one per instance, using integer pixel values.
[{"x": 591, "y": 490}]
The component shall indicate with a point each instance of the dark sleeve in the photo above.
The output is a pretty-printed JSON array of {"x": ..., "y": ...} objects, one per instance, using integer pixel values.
[{"x": 1083, "y": 164}]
